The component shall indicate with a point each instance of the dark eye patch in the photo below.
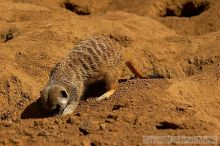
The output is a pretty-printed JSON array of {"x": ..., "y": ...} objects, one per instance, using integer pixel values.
[{"x": 64, "y": 94}]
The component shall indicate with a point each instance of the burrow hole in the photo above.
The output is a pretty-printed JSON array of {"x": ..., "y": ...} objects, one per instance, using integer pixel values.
[
  {"x": 7, "y": 36},
  {"x": 187, "y": 9},
  {"x": 79, "y": 10}
]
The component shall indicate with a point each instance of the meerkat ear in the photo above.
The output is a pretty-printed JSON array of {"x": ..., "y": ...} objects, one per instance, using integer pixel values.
[{"x": 44, "y": 93}]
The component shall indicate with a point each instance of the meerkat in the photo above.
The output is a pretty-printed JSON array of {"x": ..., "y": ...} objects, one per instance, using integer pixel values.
[{"x": 95, "y": 58}]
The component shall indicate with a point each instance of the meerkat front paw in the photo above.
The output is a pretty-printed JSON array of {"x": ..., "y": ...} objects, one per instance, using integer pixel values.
[{"x": 70, "y": 108}]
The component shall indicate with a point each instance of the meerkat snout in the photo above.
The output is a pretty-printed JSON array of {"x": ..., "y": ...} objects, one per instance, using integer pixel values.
[{"x": 55, "y": 99}]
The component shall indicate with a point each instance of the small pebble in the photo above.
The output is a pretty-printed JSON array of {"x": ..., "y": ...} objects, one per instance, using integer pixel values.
[
  {"x": 70, "y": 121},
  {"x": 43, "y": 133}
]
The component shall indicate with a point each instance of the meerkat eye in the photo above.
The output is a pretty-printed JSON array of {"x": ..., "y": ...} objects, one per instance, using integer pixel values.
[{"x": 64, "y": 94}]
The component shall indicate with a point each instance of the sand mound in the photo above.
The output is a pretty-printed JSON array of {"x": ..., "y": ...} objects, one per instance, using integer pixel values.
[{"x": 176, "y": 45}]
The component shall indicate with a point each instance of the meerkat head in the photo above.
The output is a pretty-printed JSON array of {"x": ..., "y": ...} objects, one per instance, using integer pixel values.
[{"x": 55, "y": 99}]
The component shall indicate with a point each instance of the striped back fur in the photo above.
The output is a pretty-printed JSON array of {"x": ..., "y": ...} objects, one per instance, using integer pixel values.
[{"x": 88, "y": 62}]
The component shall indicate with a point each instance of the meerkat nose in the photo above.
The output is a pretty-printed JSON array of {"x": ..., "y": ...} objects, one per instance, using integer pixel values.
[
  {"x": 59, "y": 104},
  {"x": 57, "y": 109},
  {"x": 57, "y": 100}
]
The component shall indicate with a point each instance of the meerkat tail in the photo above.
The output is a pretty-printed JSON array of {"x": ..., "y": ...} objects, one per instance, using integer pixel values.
[
  {"x": 133, "y": 67},
  {"x": 106, "y": 95},
  {"x": 130, "y": 61}
]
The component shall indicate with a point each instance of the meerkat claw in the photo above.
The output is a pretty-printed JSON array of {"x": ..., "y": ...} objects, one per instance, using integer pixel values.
[{"x": 105, "y": 95}]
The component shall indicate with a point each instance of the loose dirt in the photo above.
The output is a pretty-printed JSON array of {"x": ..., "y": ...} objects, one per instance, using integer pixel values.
[{"x": 174, "y": 42}]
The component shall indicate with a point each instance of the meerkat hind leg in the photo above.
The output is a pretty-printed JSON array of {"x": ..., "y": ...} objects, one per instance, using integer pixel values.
[
  {"x": 111, "y": 83},
  {"x": 106, "y": 95}
]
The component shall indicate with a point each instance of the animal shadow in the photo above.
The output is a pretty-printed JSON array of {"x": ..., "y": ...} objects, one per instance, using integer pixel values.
[{"x": 35, "y": 110}]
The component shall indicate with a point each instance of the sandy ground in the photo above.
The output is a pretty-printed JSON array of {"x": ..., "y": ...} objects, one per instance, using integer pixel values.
[{"x": 175, "y": 42}]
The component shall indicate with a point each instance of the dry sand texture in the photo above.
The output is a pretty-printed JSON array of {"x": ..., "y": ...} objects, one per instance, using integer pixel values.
[{"x": 175, "y": 42}]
